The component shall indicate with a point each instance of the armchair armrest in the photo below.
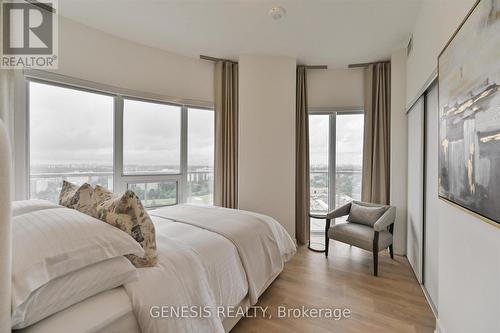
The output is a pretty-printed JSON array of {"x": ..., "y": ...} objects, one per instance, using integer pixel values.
[
  {"x": 341, "y": 211},
  {"x": 386, "y": 219}
]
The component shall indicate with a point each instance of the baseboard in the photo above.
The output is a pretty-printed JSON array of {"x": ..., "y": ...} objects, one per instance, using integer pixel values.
[
  {"x": 399, "y": 252},
  {"x": 429, "y": 301},
  {"x": 439, "y": 328},
  {"x": 434, "y": 310}
]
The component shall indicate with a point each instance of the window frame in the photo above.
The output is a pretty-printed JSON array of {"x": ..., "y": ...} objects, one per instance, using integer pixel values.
[
  {"x": 121, "y": 180},
  {"x": 186, "y": 161},
  {"x": 332, "y": 144}
]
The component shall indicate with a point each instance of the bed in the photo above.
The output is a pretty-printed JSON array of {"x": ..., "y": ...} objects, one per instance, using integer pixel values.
[
  {"x": 195, "y": 266},
  {"x": 208, "y": 258}
]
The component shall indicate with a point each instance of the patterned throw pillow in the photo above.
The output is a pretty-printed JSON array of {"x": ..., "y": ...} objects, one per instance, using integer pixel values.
[
  {"x": 77, "y": 197},
  {"x": 128, "y": 214}
]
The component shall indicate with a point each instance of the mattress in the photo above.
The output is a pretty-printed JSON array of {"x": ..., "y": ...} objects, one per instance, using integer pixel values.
[{"x": 107, "y": 312}]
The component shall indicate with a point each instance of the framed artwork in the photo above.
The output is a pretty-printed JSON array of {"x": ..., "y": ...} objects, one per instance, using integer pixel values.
[{"x": 469, "y": 114}]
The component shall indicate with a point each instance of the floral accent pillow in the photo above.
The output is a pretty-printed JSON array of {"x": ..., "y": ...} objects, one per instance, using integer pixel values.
[
  {"x": 127, "y": 213},
  {"x": 77, "y": 197}
]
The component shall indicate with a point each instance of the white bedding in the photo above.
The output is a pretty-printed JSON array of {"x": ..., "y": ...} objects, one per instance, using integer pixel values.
[
  {"x": 196, "y": 267},
  {"x": 107, "y": 312},
  {"x": 226, "y": 275},
  {"x": 180, "y": 278},
  {"x": 28, "y": 206},
  {"x": 204, "y": 257},
  {"x": 251, "y": 234}
]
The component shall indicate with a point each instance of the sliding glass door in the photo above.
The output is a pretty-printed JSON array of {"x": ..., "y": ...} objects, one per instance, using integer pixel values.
[{"x": 336, "y": 156}]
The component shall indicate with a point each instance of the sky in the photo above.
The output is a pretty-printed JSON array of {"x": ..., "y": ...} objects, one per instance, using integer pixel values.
[
  {"x": 349, "y": 139},
  {"x": 71, "y": 126}
]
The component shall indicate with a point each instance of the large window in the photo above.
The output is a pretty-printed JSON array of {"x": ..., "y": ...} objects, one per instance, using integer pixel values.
[
  {"x": 163, "y": 152},
  {"x": 151, "y": 137},
  {"x": 336, "y": 157},
  {"x": 71, "y": 137},
  {"x": 200, "y": 177}
]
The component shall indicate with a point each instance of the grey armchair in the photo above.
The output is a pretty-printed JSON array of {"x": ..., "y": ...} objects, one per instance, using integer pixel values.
[{"x": 374, "y": 237}]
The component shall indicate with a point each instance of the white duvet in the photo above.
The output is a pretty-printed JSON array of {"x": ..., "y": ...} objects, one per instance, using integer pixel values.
[
  {"x": 179, "y": 279},
  {"x": 203, "y": 263},
  {"x": 198, "y": 268}
]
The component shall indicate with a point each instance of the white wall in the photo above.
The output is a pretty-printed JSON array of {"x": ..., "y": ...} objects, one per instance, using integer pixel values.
[
  {"x": 435, "y": 24},
  {"x": 399, "y": 158},
  {"x": 93, "y": 55},
  {"x": 469, "y": 249},
  {"x": 469, "y": 272},
  {"x": 267, "y": 137},
  {"x": 336, "y": 88}
]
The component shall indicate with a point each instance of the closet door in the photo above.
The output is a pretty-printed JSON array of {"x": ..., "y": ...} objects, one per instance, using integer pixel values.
[
  {"x": 431, "y": 195},
  {"x": 415, "y": 187}
]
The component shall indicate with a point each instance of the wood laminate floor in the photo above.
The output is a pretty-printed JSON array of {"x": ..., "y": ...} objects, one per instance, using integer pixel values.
[{"x": 391, "y": 302}]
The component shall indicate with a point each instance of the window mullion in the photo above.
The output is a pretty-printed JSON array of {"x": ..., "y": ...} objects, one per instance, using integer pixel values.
[
  {"x": 183, "y": 188},
  {"x": 119, "y": 184},
  {"x": 332, "y": 160}
]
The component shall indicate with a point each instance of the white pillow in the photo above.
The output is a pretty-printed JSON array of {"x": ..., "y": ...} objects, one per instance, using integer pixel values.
[
  {"x": 72, "y": 288},
  {"x": 28, "y": 206},
  {"x": 50, "y": 243}
]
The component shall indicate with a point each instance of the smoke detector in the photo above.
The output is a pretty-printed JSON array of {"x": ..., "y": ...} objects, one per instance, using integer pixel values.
[{"x": 277, "y": 12}]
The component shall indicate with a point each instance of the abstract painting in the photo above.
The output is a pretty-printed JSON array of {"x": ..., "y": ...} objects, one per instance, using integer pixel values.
[{"x": 469, "y": 114}]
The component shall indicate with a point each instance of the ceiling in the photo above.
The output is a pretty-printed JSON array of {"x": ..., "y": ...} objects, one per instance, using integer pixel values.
[{"x": 316, "y": 32}]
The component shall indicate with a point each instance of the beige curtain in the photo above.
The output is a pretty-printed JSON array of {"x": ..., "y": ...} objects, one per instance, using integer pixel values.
[
  {"x": 376, "y": 145},
  {"x": 301, "y": 159},
  {"x": 226, "y": 134}
]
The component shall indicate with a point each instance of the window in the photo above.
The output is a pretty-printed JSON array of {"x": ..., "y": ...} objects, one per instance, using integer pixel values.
[
  {"x": 71, "y": 138},
  {"x": 163, "y": 152},
  {"x": 201, "y": 135},
  {"x": 319, "y": 137},
  {"x": 336, "y": 157},
  {"x": 156, "y": 194},
  {"x": 348, "y": 158},
  {"x": 151, "y": 137}
]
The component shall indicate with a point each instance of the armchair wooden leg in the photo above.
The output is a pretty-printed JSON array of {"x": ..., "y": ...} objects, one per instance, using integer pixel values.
[
  {"x": 375, "y": 253},
  {"x": 327, "y": 239},
  {"x": 391, "y": 251}
]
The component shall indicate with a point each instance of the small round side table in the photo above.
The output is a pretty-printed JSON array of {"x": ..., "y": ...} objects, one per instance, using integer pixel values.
[{"x": 316, "y": 247}]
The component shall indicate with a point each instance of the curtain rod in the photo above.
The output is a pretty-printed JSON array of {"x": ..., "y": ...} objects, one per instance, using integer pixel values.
[
  {"x": 313, "y": 66},
  {"x": 204, "y": 57},
  {"x": 214, "y": 59},
  {"x": 41, "y": 5},
  {"x": 366, "y": 64}
]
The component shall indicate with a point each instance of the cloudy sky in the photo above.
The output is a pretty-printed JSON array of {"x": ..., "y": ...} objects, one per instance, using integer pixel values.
[
  {"x": 70, "y": 126},
  {"x": 349, "y": 139}
]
